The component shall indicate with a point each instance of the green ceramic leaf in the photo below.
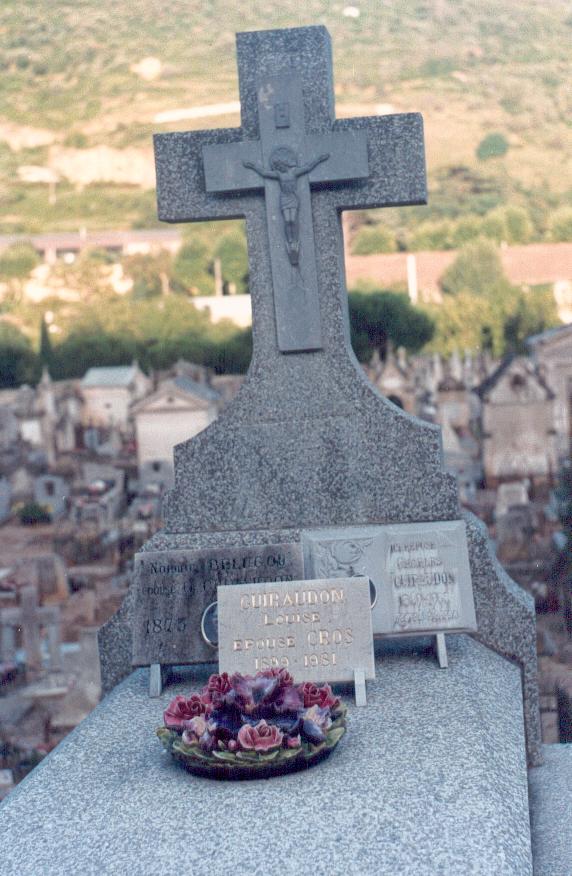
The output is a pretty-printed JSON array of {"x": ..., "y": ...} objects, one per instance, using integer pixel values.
[
  {"x": 225, "y": 755},
  {"x": 334, "y": 736},
  {"x": 270, "y": 755},
  {"x": 247, "y": 755},
  {"x": 289, "y": 753}
]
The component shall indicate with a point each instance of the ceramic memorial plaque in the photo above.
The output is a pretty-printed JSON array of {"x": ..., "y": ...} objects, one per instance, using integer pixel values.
[
  {"x": 317, "y": 630},
  {"x": 420, "y": 574},
  {"x": 173, "y": 590}
]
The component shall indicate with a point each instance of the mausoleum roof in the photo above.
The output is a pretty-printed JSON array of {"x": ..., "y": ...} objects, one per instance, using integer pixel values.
[{"x": 116, "y": 375}]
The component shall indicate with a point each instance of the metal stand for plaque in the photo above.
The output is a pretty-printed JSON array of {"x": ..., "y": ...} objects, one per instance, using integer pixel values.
[
  {"x": 359, "y": 686},
  {"x": 157, "y": 678},
  {"x": 441, "y": 648}
]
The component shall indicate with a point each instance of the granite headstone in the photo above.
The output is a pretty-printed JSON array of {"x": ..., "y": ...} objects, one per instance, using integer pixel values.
[{"x": 309, "y": 443}]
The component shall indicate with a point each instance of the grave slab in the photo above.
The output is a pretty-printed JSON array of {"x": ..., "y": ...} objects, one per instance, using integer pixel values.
[
  {"x": 551, "y": 812},
  {"x": 430, "y": 779}
]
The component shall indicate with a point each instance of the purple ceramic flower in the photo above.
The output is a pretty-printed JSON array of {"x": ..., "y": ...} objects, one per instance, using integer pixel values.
[
  {"x": 283, "y": 676},
  {"x": 251, "y": 691},
  {"x": 182, "y": 709},
  {"x": 260, "y": 737},
  {"x": 315, "y": 724}
]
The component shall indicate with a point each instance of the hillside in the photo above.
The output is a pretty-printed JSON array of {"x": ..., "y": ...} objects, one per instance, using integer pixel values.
[{"x": 75, "y": 97}]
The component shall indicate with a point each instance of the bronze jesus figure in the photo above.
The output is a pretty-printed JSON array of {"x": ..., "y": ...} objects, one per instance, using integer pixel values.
[{"x": 285, "y": 170}]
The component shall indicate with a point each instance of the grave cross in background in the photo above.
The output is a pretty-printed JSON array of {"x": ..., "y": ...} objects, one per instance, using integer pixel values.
[
  {"x": 29, "y": 617},
  {"x": 290, "y": 150}
]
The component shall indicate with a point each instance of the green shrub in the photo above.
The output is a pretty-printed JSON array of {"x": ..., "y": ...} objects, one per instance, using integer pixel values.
[
  {"x": 492, "y": 146},
  {"x": 31, "y": 514},
  {"x": 17, "y": 261},
  {"x": 370, "y": 240},
  {"x": 18, "y": 362},
  {"x": 231, "y": 250},
  {"x": 379, "y": 317},
  {"x": 465, "y": 230},
  {"x": 477, "y": 269},
  {"x": 561, "y": 225}
]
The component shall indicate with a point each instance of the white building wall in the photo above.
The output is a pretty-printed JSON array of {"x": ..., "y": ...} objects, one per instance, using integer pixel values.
[
  {"x": 106, "y": 406},
  {"x": 158, "y": 432}
]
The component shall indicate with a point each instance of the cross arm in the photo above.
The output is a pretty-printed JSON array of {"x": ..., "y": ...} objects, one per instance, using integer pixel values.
[
  {"x": 396, "y": 157},
  {"x": 181, "y": 192}
]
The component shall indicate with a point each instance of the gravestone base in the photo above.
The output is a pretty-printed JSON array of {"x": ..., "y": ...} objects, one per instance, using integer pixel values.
[{"x": 430, "y": 778}]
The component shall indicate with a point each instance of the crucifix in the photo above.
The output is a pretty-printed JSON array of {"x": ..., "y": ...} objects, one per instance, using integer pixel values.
[{"x": 295, "y": 160}]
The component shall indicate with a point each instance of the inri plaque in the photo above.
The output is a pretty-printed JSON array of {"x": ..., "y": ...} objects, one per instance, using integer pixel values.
[
  {"x": 419, "y": 571},
  {"x": 174, "y": 588}
]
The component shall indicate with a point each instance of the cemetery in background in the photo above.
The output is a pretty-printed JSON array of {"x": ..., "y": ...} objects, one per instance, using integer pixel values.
[
  {"x": 117, "y": 345},
  {"x": 85, "y": 463}
]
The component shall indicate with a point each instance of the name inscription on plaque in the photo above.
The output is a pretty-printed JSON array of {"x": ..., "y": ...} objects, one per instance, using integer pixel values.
[
  {"x": 420, "y": 572},
  {"x": 172, "y": 589},
  {"x": 424, "y": 590},
  {"x": 317, "y": 630}
]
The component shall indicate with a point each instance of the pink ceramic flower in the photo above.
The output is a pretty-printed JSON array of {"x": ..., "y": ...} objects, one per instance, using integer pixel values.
[
  {"x": 216, "y": 688},
  {"x": 261, "y": 737},
  {"x": 182, "y": 709},
  {"x": 293, "y": 741},
  {"x": 318, "y": 696}
]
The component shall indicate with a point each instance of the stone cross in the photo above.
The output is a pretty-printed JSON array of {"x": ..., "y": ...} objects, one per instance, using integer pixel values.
[
  {"x": 29, "y": 617},
  {"x": 289, "y": 150}
]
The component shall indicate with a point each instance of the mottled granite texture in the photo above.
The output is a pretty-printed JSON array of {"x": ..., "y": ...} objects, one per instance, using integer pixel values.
[
  {"x": 430, "y": 780},
  {"x": 506, "y": 622},
  {"x": 308, "y": 441},
  {"x": 550, "y": 789}
]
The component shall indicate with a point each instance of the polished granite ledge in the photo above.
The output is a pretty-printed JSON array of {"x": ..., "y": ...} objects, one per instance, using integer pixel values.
[{"x": 430, "y": 779}]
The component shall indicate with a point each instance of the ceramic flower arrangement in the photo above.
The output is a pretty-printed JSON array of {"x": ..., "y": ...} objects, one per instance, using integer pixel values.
[{"x": 253, "y": 726}]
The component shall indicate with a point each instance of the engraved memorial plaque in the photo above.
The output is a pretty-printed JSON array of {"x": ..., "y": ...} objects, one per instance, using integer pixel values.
[
  {"x": 317, "y": 630},
  {"x": 420, "y": 572},
  {"x": 173, "y": 590}
]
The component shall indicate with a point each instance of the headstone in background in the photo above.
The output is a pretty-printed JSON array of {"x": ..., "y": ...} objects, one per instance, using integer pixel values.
[
  {"x": 308, "y": 442},
  {"x": 6, "y": 783},
  {"x": 511, "y": 495},
  {"x": 30, "y": 618}
]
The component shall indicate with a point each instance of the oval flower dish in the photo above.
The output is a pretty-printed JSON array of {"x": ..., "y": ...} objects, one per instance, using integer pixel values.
[{"x": 253, "y": 726}]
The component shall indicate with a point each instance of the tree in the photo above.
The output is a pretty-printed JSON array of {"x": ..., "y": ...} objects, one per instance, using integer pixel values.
[
  {"x": 379, "y": 317},
  {"x": 533, "y": 312},
  {"x": 231, "y": 250},
  {"x": 46, "y": 352},
  {"x": 477, "y": 269},
  {"x": 191, "y": 269},
  {"x": 150, "y": 274},
  {"x": 492, "y": 146},
  {"x": 374, "y": 239},
  {"x": 18, "y": 362},
  {"x": 17, "y": 261},
  {"x": 466, "y": 322},
  {"x": 87, "y": 347},
  {"x": 561, "y": 225}
]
